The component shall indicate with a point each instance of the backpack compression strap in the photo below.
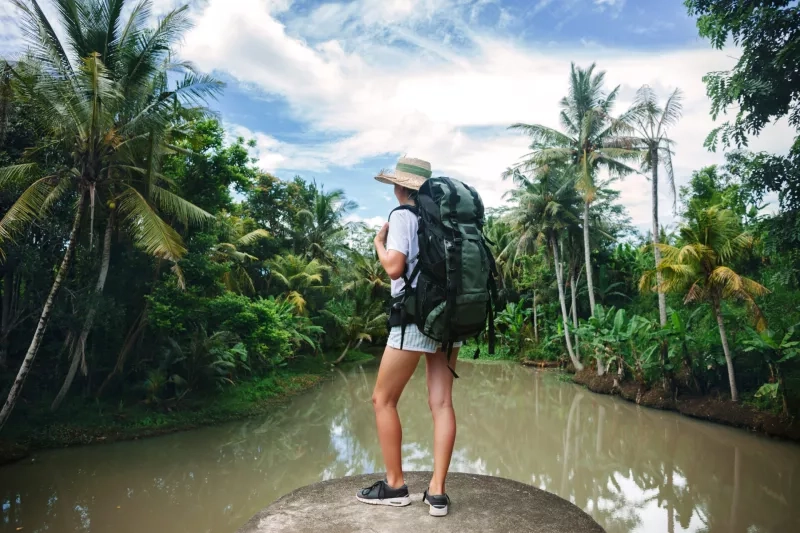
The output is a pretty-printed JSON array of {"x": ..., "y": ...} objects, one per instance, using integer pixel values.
[{"x": 454, "y": 267}]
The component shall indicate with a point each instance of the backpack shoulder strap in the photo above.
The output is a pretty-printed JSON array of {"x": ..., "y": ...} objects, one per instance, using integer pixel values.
[{"x": 405, "y": 207}]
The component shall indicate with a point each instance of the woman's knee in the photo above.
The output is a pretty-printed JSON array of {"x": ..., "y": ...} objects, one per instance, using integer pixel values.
[
  {"x": 382, "y": 400},
  {"x": 438, "y": 402}
]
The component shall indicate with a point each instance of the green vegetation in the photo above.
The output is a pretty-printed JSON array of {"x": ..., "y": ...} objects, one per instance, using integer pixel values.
[
  {"x": 710, "y": 309},
  {"x": 153, "y": 277}
]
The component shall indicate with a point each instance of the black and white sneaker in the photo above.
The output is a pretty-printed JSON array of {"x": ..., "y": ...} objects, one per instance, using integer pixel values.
[
  {"x": 380, "y": 493},
  {"x": 437, "y": 503}
]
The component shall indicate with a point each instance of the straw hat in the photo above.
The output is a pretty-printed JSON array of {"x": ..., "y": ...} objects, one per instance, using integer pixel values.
[{"x": 409, "y": 172}]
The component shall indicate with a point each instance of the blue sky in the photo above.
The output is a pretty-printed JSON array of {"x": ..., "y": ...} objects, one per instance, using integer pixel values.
[{"x": 336, "y": 91}]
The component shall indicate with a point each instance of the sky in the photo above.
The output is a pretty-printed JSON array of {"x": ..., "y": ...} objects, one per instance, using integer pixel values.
[{"x": 337, "y": 91}]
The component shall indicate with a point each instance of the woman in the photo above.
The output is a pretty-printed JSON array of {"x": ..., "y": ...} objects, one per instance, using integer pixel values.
[{"x": 397, "y": 247}]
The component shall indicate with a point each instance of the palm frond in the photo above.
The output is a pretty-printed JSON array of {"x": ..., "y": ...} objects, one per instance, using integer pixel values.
[
  {"x": 540, "y": 134},
  {"x": 148, "y": 230},
  {"x": 666, "y": 158},
  {"x": 672, "y": 111},
  {"x": 697, "y": 293},
  {"x": 41, "y": 37},
  {"x": 16, "y": 174},
  {"x": 253, "y": 236},
  {"x": 195, "y": 89},
  {"x": 153, "y": 44},
  {"x": 727, "y": 279},
  {"x": 26, "y": 209},
  {"x": 172, "y": 204}
]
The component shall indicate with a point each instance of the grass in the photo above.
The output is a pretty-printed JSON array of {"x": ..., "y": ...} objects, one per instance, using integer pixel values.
[{"x": 501, "y": 353}]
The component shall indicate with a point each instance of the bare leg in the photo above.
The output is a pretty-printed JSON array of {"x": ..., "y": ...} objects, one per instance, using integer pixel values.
[
  {"x": 440, "y": 400},
  {"x": 396, "y": 369}
]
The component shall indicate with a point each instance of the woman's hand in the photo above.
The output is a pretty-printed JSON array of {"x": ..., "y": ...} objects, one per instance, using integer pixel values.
[{"x": 380, "y": 238}]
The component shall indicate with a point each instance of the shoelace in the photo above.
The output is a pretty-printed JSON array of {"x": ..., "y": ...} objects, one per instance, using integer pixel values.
[{"x": 379, "y": 485}]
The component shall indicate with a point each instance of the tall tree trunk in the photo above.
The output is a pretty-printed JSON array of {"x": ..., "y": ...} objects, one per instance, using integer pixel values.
[
  {"x": 25, "y": 367},
  {"x": 560, "y": 282},
  {"x": 573, "y": 285},
  {"x": 662, "y": 299},
  {"x": 588, "y": 254},
  {"x": 344, "y": 354},
  {"x": 535, "y": 319},
  {"x": 79, "y": 347},
  {"x": 728, "y": 359},
  {"x": 5, "y": 321}
]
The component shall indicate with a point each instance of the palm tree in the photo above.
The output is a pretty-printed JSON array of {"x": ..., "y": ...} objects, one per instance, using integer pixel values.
[
  {"x": 368, "y": 272},
  {"x": 360, "y": 319},
  {"x": 321, "y": 234},
  {"x": 234, "y": 230},
  {"x": 711, "y": 238},
  {"x": 104, "y": 102},
  {"x": 651, "y": 123},
  {"x": 544, "y": 210},
  {"x": 591, "y": 140},
  {"x": 298, "y": 275},
  {"x": 500, "y": 232}
]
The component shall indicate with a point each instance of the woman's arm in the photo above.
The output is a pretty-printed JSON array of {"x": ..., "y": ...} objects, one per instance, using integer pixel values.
[{"x": 392, "y": 261}]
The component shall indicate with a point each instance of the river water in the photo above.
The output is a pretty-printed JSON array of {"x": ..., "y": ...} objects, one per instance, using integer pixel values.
[{"x": 631, "y": 468}]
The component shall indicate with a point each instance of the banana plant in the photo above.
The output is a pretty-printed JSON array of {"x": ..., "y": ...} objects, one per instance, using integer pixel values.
[
  {"x": 775, "y": 353},
  {"x": 600, "y": 333},
  {"x": 513, "y": 322},
  {"x": 680, "y": 335}
]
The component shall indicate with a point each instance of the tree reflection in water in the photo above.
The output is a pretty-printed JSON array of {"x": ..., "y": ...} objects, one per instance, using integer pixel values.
[{"x": 632, "y": 468}]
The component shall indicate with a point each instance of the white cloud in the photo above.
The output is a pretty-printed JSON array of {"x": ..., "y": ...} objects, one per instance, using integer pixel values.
[
  {"x": 387, "y": 77},
  {"x": 372, "y": 222},
  {"x": 430, "y": 105},
  {"x": 610, "y": 3}
]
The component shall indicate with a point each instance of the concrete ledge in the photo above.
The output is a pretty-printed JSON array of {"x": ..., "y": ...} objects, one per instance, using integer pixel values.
[{"x": 479, "y": 503}]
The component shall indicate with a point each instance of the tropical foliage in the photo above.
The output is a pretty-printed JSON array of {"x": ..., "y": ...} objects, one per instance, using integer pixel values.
[{"x": 146, "y": 259}]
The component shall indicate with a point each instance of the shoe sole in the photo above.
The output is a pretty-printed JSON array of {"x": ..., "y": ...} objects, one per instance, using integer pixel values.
[
  {"x": 435, "y": 511},
  {"x": 391, "y": 502}
]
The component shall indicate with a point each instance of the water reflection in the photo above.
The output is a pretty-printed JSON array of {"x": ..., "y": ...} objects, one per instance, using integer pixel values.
[{"x": 632, "y": 469}]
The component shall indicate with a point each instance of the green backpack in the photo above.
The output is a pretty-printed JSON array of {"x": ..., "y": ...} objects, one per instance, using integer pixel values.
[{"x": 456, "y": 289}]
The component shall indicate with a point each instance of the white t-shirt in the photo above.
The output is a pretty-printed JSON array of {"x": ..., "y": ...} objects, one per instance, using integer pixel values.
[{"x": 403, "y": 238}]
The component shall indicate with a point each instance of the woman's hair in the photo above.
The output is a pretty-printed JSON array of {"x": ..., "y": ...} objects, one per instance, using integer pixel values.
[{"x": 413, "y": 195}]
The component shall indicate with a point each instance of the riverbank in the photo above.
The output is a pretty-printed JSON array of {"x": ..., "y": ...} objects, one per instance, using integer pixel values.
[
  {"x": 713, "y": 409},
  {"x": 88, "y": 422}
]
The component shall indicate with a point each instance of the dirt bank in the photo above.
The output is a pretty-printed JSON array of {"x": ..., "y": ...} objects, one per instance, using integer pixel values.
[{"x": 711, "y": 408}]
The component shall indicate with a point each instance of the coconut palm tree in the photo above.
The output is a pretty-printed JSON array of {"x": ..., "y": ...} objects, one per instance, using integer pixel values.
[
  {"x": 591, "y": 140},
  {"x": 367, "y": 272},
  {"x": 359, "y": 319},
  {"x": 298, "y": 275},
  {"x": 651, "y": 123},
  {"x": 103, "y": 101},
  {"x": 544, "y": 210},
  {"x": 236, "y": 235},
  {"x": 711, "y": 239},
  {"x": 321, "y": 234}
]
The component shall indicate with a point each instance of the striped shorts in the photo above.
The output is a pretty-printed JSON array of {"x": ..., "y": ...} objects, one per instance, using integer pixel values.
[{"x": 414, "y": 340}]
